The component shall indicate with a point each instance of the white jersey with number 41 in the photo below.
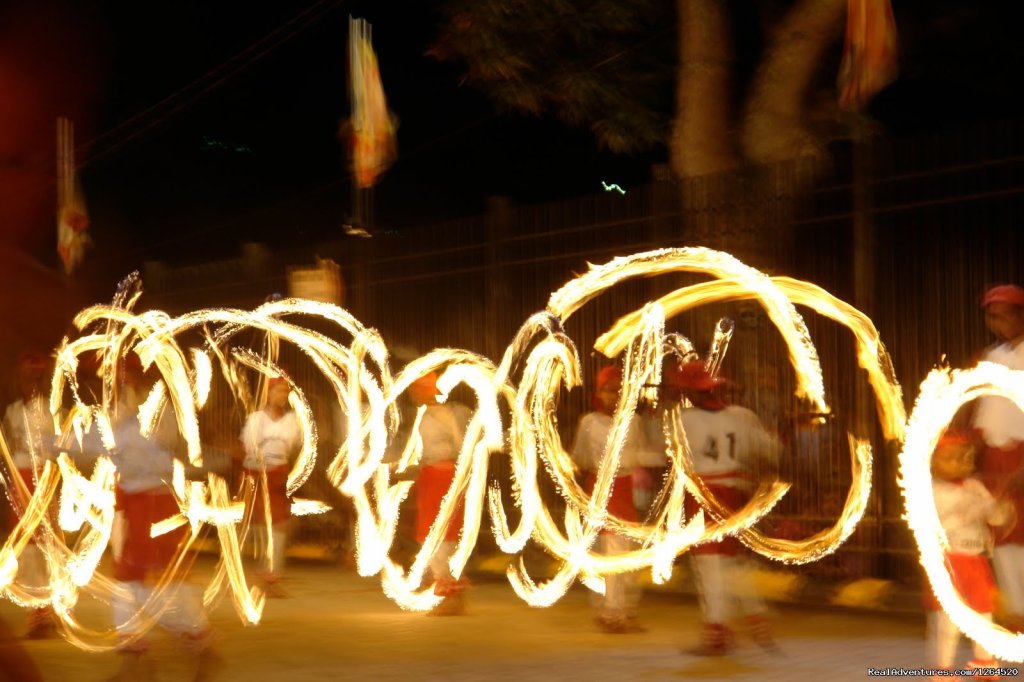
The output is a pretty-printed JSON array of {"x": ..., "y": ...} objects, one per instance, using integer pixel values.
[{"x": 726, "y": 443}]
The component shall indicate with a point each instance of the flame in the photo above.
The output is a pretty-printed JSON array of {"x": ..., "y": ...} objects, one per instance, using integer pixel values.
[
  {"x": 943, "y": 391},
  {"x": 539, "y": 364}
]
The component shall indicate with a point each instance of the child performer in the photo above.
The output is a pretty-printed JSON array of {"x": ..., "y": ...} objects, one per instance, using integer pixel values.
[
  {"x": 726, "y": 442},
  {"x": 1000, "y": 424},
  {"x": 616, "y": 613},
  {"x": 144, "y": 467},
  {"x": 28, "y": 427},
  {"x": 967, "y": 512},
  {"x": 272, "y": 438},
  {"x": 442, "y": 430}
]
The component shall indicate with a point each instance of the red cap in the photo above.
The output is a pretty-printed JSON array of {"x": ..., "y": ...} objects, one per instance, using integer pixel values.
[
  {"x": 273, "y": 382},
  {"x": 692, "y": 376},
  {"x": 32, "y": 361},
  {"x": 1004, "y": 293},
  {"x": 132, "y": 362},
  {"x": 424, "y": 389},
  {"x": 131, "y": 368},
  {"x": 607, "y": 375},
  {"x": 951, "y": 438}
]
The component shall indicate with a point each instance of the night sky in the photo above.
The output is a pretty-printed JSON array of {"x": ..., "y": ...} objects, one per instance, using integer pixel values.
[
  {"x": 251, "y": 153},
  {"x": 262, "y": 145}
]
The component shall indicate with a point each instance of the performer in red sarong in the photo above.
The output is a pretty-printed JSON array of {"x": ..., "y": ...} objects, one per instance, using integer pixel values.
[
  {"x": 441, "y": 430},
  {"x": 272, "y": 438}
]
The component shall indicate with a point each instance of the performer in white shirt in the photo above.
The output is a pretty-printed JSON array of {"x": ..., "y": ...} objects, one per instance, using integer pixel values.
[
  {"x": 727, "y": 443},
  {"x": 272, "y": 438},
  {"x": 28, "y": 428},
  {"x": 144, "y": 497},
  {"x": 968, "y": 513},
  {"x": 1001, "y": 462},
  {"x": 616, "y": 611},
  {"x": 441, "y": 430}
]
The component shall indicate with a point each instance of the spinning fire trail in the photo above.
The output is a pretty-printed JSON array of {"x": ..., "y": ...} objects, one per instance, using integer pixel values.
[{"x": 536, "y": 368}]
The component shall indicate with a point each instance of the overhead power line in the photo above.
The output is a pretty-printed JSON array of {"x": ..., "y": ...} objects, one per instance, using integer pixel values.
[{"x": 149, "y": 118}]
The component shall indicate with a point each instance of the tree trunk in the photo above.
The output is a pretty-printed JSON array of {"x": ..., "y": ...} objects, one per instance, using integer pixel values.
[
  {"x": 747, "y": 213},
  {"x": 701, "y": 141},
  {"x": 773, "y": 127}
]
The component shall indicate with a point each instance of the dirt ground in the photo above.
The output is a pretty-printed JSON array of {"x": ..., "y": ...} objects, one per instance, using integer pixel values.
[{"x": 338, "y": 626}]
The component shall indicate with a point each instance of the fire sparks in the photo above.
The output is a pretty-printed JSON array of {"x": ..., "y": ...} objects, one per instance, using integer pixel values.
[
  {"x": 537, "y": 367},
  {"x": 942, "y": 393}
]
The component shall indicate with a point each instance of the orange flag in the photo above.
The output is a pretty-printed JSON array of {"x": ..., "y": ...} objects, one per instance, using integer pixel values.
[
  {"x": 373, "y": 127},
  {"x": 870, "y": 53},
  {"x": 72, "y": 219}
]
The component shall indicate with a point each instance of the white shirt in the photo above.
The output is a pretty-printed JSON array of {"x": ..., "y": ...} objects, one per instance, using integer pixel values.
[
  {"x": 28, "y": 428},
  {"x": 270, "y": 442},
  {"x": 442, "y": 430},
  {"x": 592, "y": 436},
  {"x": 966, "y": 510},
  {"x": 724, "y": 444},
  {"x": 998, "y": 418},
  {"x": 142, "y": 463}
]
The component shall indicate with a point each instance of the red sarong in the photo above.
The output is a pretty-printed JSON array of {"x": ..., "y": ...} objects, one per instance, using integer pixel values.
[
  {"x": 620, "y": 503},
  {"x": 15, "y": 509},
  {"x": 277, "y": 492},
  {"x": 972, "y": 578},
  {"x": 144, "y": 556},
  {"x": 996, "y": 465},
  {"x": 432, "y": 485},
  {"x": 732, "y": 498}
]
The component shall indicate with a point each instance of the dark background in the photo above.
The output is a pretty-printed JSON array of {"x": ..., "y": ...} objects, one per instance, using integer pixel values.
[{"x": 207, "y": 124}]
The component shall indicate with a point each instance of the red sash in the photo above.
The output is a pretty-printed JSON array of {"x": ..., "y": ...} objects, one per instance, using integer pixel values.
[
  {"x": 620, "y": 503},
  {"x": 144, "y": 556},
  {"x": 732, "y": 498},
  {"x": 972, "y": 578},
  {"x": 432, "y": 485},
  {"x": 277, "y": 493},
  {"x": 995, "y": 466}
]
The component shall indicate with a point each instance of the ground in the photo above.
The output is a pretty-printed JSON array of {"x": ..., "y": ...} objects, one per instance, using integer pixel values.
[{"x": 338, "y": 626}]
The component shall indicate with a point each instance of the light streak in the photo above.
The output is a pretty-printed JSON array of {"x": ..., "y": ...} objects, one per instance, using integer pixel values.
[
  {"x": 301, "y": 507},
  {"x": 612, "y": 187},
  {"x": 540, "y": 363},
  {"x": 872, "y": 357},
  {"x": 719, "y": 345},
  {"x": 721, "y": 266},
  {"x": 943, "y": 391}
]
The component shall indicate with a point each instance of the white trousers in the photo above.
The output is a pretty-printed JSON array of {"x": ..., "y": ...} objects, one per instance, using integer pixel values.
[
  {"x": 279, "y": 535},
  {"x": 1008, "y": 561},
  {"x": 621, "y": 590},
  {"x": 32, "y": 571},
  {"x": 944, "y": 638},
  {"x": 440, "y": 569},
  {"x": 180, "y": 609},
  {"x": 726, "y": 587}
]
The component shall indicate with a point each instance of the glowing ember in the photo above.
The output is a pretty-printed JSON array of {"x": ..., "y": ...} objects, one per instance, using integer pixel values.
[
  {"x": 942, "y": 393},
  {"x": 545, "y": 363}
]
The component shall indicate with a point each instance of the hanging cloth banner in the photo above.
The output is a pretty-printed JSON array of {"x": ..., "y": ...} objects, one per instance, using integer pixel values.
[
  {"x": 373, "y": 126},
  {"x": 870, "y": 59},
  {"x": 321, "y": 283},
  {"x": 72, "y": 218}
]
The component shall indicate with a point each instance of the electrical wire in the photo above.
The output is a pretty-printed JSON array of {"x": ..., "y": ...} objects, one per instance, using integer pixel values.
[{"x": 187, "y": 95}]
